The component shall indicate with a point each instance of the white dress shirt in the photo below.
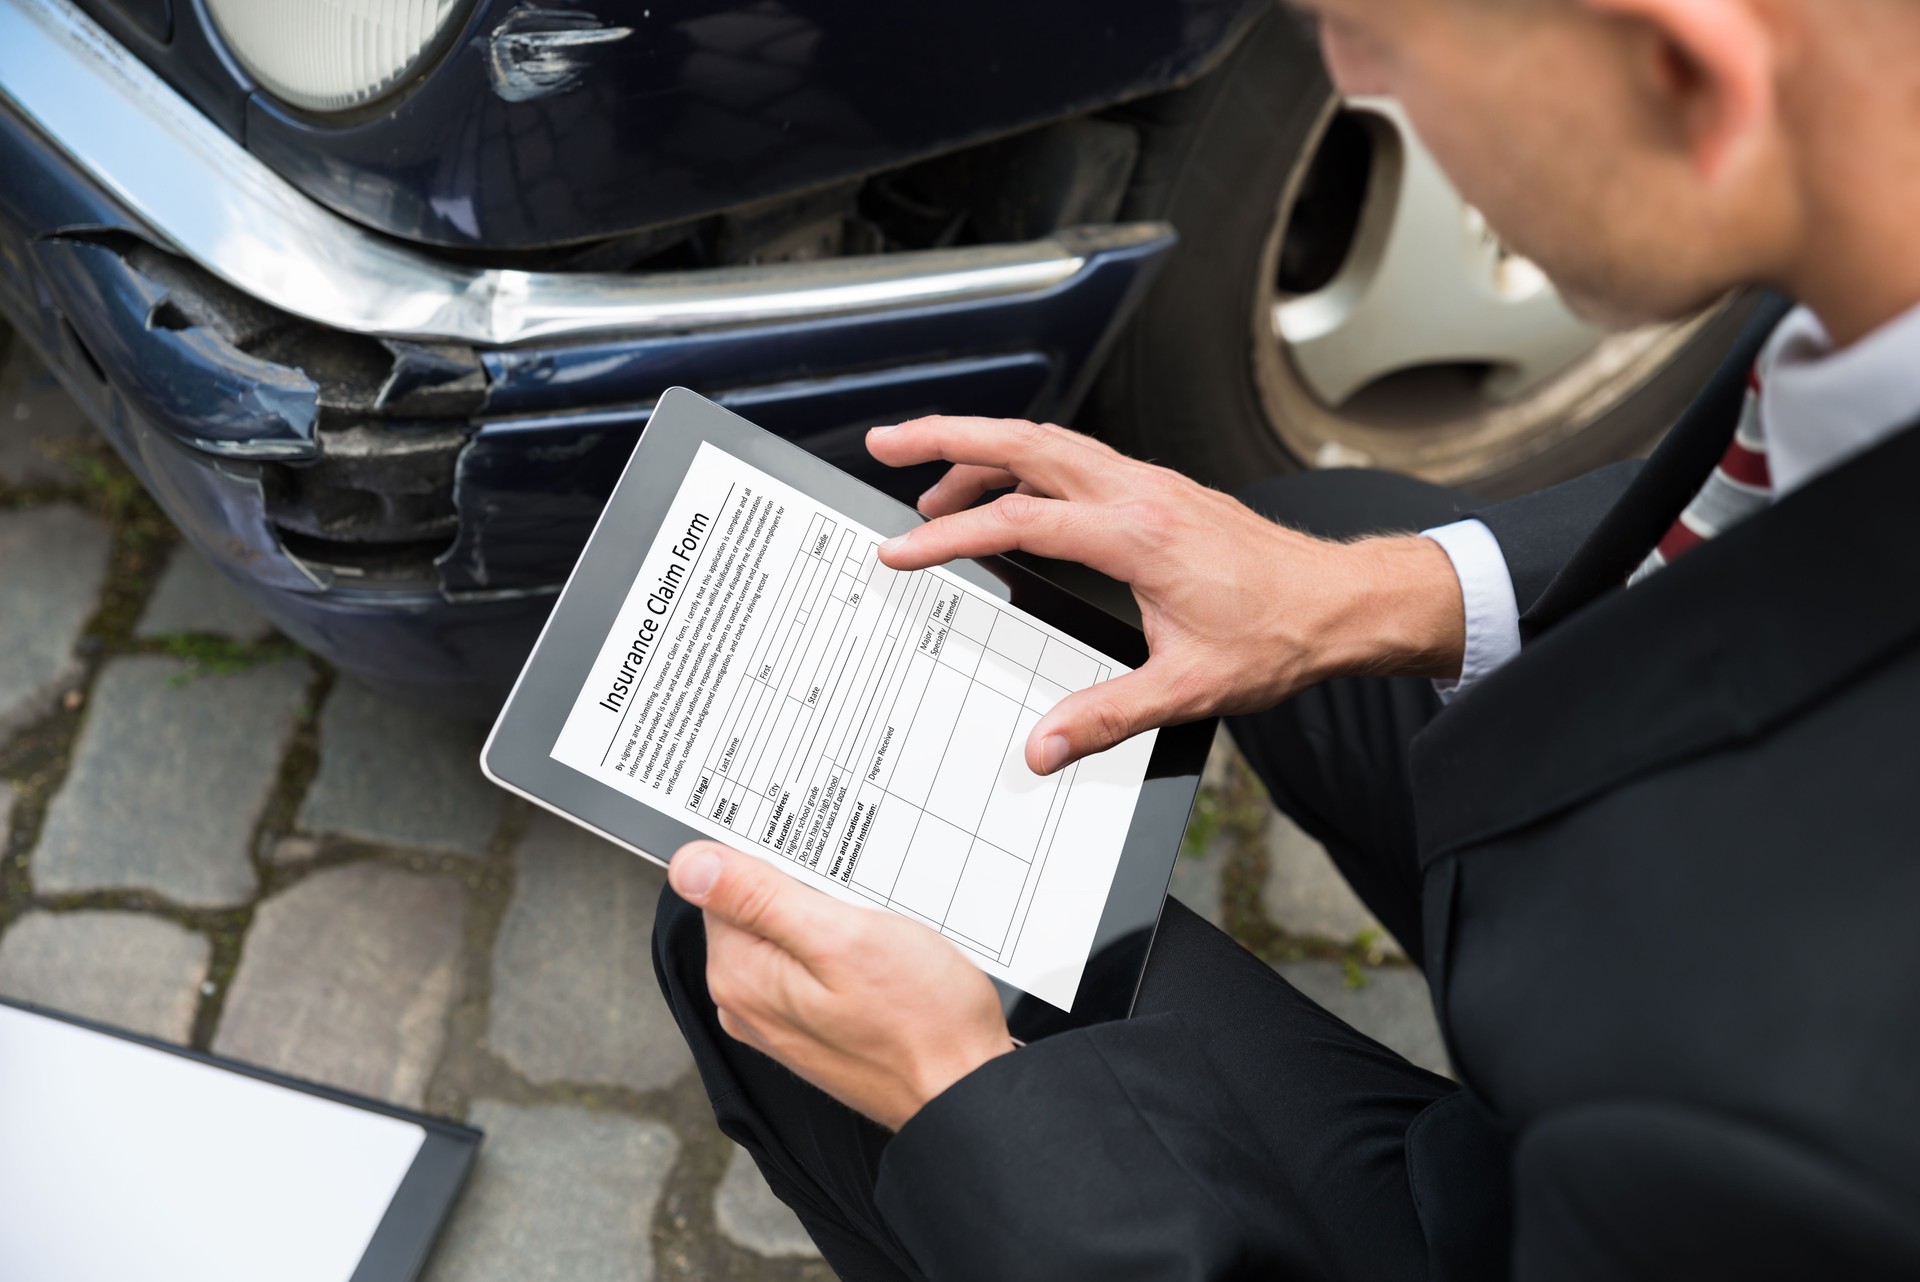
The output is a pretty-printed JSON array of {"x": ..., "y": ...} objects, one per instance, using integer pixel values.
[{"x": 1818, "y": 408}]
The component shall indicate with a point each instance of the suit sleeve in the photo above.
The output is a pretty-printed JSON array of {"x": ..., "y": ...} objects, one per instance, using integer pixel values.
[
  {"x": 1505, "y": 557},
  {"x": 1539, "y": 533},
  {"x": 1060, "y": 1161},
  {"x": 1652, "y": 1192}
]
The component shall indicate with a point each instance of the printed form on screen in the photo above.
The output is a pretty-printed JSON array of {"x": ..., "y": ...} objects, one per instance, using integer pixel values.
[{"x": 772, "y": 684}]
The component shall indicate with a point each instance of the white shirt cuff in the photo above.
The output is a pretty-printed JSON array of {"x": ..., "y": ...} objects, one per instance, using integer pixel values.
[{"x": 1493, "y": 615}]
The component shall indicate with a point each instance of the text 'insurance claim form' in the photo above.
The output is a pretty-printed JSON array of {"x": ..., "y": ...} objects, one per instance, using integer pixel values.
[{"x": 774, "y": 685}]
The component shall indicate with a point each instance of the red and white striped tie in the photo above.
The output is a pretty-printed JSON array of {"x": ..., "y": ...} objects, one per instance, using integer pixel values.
[{"x": 1739, "y": 487}]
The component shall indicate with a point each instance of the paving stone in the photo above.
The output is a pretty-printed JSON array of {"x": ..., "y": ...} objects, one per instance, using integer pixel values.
[
  {"x": 560, "y": 1194},
  {"x": 1196, "y": 875},
  {"x": 1196, "y": 882},
  {"x": 397, "y": 775},
  {"x": 1306, "y": 895},
  {"x": 347, "y": 979},
  {"x": 749, "y": 1215},
  {"x": 192, "y": 596},
  {"x": 125, "y": 969},
  {"x": 169, "y": 779},
  {"x": 1395, "y": 1007},
  {"x": 54, "y": 558},
  {"x": 1222, "y": 757},
  {"x": 574, "y": 995},
  {"x": 37, "y": 419}
]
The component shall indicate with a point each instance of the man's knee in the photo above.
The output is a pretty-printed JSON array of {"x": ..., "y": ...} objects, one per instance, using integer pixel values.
[
  {"x": 680, "y": 954},
  {"x": 1347, "y": 503}
]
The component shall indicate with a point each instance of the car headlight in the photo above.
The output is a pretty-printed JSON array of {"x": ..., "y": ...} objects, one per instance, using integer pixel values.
[{"x": 328, "y": 55}]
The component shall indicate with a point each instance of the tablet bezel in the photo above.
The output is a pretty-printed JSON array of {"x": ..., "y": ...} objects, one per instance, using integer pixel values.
[{"x": 518, "y": 751}]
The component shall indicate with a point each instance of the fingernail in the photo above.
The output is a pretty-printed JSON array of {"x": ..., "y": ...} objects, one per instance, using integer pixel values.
[
  {"x": 896, "y": 543},
  {"x": 694, "y": 872},
  {"x": 1053, "y": 753},
  {"x": 921, "y": 501},
  {"x": 890, "y": 427}
]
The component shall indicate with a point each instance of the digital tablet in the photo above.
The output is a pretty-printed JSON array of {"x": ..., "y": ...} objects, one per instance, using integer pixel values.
[
  {"x": 128, "y": 1157},
  {"x": 731, "y": 660}
]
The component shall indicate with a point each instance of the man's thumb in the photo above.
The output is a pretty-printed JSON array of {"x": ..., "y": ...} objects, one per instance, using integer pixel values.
[
  {"x": 1097, "y": 718},
  {"x": 749, "y": 893}
]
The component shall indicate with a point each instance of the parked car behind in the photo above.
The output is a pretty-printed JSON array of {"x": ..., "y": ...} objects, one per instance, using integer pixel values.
[{"x": 375, "y": 299}]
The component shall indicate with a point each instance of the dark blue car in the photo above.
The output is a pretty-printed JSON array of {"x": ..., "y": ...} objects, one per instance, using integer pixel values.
[{"x": 375, "y": 295}]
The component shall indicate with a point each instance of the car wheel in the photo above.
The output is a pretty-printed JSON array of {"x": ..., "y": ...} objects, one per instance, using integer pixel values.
[{"x": 1334, "y": 303}]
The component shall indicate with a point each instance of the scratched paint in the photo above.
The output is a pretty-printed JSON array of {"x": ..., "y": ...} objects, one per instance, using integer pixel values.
[{"x": 537, "y": 52}]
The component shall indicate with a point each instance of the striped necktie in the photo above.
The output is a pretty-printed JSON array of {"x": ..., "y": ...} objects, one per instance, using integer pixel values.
[{"x": 1739, "y": 487}]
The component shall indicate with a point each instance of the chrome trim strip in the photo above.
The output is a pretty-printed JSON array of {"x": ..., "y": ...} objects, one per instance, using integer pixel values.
[{"x": 226, "y": 210}]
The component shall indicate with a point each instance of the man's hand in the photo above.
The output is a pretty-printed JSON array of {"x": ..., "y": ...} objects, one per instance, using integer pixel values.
[
  {"x": 1239, "y": 612},
  {"x": 876, "y": 1010}
]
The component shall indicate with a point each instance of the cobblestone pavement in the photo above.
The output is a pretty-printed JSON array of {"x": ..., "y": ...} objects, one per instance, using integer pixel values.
[{"x": 206, "y": 837}]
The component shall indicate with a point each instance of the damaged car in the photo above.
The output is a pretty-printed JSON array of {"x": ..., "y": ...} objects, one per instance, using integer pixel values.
[{"x": 376, "y": 298}]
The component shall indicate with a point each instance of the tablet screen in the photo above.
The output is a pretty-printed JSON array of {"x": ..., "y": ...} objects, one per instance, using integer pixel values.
[{"x": 770, "y": 683}]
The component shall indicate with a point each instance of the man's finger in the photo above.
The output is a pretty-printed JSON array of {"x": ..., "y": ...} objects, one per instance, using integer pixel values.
[
  {"x": 740, "y": 1029},
  {"x": 1052, "y": 459},
  {"x": 1018, "y": 522},
  {"x": 962, "y": 486},
  {"x": 751, "y": 976},
  {"x": 1097, "y": 718},
  {"x": 755, "y": 897}
]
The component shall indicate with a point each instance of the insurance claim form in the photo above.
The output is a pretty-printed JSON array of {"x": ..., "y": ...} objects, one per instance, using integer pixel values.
[{"x": 772, "y": 684}]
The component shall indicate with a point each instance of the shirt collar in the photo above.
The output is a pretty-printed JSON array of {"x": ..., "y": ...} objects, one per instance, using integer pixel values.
[{"x": 1820, "y": 406}]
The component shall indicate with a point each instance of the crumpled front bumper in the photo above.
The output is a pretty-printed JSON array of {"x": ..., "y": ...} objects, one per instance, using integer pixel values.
[{"x": 398, "y": 459}]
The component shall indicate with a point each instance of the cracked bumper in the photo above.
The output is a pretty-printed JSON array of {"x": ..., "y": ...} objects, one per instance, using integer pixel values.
[{"x": 405, "y": 498}]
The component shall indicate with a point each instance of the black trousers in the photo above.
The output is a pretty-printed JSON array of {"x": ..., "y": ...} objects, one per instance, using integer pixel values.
[{"x": 1337, "y": 1106}]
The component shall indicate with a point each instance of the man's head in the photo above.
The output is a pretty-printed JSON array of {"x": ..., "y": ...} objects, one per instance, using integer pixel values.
[{"x": 1651, "y": 154}]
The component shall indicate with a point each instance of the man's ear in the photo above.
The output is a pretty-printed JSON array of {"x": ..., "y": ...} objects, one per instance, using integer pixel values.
[{"x": 1715, "y": 65}]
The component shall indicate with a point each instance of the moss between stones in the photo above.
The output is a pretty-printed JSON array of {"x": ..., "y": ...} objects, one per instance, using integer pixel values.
[{"x": 1236, "y": 814}]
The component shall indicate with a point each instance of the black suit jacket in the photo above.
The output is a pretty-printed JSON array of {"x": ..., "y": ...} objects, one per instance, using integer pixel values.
[{"x": 1672, "y": 862}]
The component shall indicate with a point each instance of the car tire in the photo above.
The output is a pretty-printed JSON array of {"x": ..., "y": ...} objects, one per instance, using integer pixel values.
[{"x": 1188, "y": 383}]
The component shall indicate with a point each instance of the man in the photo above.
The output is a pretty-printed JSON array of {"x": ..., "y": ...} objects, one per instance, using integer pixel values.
[{"x": 1654, "y": 844}]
